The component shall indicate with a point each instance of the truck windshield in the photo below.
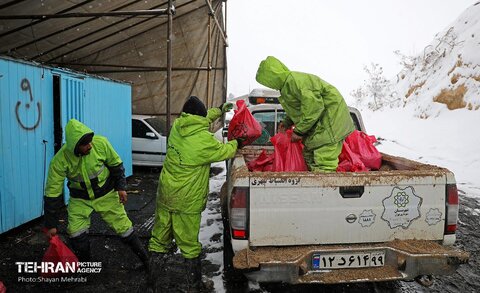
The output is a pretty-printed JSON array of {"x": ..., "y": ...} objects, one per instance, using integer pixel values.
[{"x": 269, "y": 121}]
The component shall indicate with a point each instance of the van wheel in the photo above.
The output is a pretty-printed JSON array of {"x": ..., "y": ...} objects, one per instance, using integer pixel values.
[{"x": 425, "y": 280}]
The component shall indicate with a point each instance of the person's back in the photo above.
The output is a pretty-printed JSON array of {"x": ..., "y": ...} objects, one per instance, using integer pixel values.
[
  {"x": 321, "y": 100},
  {"x": 316, "y": 108},
  {"x": 183, "y": 187},
  {"x": 191, "y": 149}
]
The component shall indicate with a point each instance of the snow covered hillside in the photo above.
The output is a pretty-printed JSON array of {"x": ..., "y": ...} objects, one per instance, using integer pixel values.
[
  {"x": 437, "y": 111},
  {"x": 446, "y": 75}
]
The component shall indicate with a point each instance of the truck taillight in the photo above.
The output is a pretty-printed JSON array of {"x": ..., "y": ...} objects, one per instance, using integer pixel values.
[
  {"x": 238, "y": 212},
  {"x": 452, "y": 209}
]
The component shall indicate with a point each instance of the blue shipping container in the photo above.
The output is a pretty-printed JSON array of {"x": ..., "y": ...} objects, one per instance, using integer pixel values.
[{"x": 36, "y": 102}]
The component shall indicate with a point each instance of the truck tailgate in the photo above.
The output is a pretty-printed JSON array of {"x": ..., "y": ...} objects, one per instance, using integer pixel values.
[{"x": 305, "y": 208}]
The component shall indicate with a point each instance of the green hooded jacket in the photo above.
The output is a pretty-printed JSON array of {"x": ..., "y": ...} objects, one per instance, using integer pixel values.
[
  {"x": 317, "y": 108},
  {"x": 183, "y": 184},
  {"x": 89, "y": 176}
]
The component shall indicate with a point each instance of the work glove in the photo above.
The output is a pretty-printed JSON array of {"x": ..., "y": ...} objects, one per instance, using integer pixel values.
[
  {"x": 287, "y": 122},
  {"x": 226, "y": 107},
  {"x": 240, "y": 142},
  {"x": 295, "y": 137}
]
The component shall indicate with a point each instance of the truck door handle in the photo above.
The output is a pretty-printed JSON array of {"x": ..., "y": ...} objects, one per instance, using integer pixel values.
[{"x": 352, "y": 191}]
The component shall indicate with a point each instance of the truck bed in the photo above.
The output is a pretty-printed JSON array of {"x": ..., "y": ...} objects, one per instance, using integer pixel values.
[
  {"x": 402, "y": 200},
  {"x": 389, "y": 163}
]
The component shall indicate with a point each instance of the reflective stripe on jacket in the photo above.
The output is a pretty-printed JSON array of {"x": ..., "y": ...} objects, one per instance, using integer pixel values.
[{"x": 88, "y": 176}]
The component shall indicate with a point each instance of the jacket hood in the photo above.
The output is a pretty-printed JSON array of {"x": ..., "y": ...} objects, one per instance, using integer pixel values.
[
  {"x": 272, "y": 73},
  {"x": 74, "y": 131},
  {"x": 188, "y": 124}
]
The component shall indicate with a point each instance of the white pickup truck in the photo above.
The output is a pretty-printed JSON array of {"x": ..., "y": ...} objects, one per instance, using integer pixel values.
[{"x": 397, "y": 223}]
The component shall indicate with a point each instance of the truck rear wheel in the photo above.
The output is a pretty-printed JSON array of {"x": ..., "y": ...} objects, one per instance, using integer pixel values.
[
  {"x": 425, "y": 280},
  {"x": 231, "y": 274}
]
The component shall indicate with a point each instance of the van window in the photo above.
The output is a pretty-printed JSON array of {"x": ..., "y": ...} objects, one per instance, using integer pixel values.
[
  {"x": 159, "y": 124},
  {"x": 139, "y": 129}
]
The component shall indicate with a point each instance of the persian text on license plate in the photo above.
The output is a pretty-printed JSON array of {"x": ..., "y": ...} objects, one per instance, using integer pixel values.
[{"x": 321, "y": 261}]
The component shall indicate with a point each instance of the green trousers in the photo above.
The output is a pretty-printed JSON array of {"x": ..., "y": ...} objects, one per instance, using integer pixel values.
[
  {"x": 184, "y": 228},
  {"x": 109, "y": 208},
  {"x": 324, "y": 158}
]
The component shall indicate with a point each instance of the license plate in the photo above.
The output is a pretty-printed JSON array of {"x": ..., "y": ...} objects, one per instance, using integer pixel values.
[{"x": 322, "y": 261}]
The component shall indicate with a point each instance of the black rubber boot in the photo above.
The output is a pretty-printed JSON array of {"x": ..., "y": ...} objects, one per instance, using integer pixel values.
[
  {"x": 137, "y": 247},
  {"x": 194, "y": 274},
  {"x": 81, "y": 247},
  {"x": 156, "y": 275}
]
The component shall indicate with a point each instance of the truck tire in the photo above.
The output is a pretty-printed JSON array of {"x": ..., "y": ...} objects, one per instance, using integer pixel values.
[
  {"x": 231, "y": 274},
  {"x": 425, "y": 280}
]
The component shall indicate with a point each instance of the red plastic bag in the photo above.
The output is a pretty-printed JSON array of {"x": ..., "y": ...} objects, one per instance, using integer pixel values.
[
  {"x": 288, "y": 155},
  {"x": 358, "y": 150},
  {"x": 294, "y": 160},
  {"x": 362, "y": 144},
  {"x": 280, "y": 143},
  {"x": 56, "y": 253},
  {"x": 243, "y": 125},
  {"x": 262, "y": 163},
  {"x": 350, "y": 161},
  {"x": 3, "y": 289}
]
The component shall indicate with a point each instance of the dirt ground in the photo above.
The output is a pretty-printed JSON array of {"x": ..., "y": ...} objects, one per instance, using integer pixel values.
[{"x": 122, "y": 271}]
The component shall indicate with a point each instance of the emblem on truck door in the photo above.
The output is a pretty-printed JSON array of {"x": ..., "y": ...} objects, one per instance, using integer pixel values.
[
  {"x": 351, "y": 218},
  {"x": 433, "y": 217},
  {"x": 401, "y": 207},
  {"x": 367, "y": 218}
]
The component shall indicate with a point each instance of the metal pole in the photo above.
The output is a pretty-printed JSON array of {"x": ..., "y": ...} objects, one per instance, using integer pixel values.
[
  {"x": 146, "y": 70},
  {"x": 225, "y": 81},
  {"x": 87, "y": 14},
  {"x": 212, "y": 13},
  {"x": 208, "y": 61},
  {"x": 169, "y": 63},
  {"x": 130, "y": 68}
]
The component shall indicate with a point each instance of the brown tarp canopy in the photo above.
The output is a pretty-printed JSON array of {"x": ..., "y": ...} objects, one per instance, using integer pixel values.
[{"x": 87, "y": 36}]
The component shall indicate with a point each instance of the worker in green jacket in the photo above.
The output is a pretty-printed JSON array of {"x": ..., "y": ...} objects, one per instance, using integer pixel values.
[
  {"x": 183, "y": 186},
  {"x": 316, "y": 108},
  {"x": 96, "y": 180}
]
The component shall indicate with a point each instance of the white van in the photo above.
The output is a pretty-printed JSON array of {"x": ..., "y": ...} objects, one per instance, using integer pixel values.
[{"x": 149, "y": 143}]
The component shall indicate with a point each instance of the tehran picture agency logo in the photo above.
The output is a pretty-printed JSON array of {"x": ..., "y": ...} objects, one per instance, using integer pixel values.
[{"x": 57, "y": 271}]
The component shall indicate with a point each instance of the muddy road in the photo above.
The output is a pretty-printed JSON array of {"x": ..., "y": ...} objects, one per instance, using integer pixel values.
[{"x": 122, "y": 271}]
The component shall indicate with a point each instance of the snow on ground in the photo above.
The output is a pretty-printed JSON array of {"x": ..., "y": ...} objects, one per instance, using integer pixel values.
[
  {"x": 450, "y": 140},
  {"x": 212, "y": 225}
]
